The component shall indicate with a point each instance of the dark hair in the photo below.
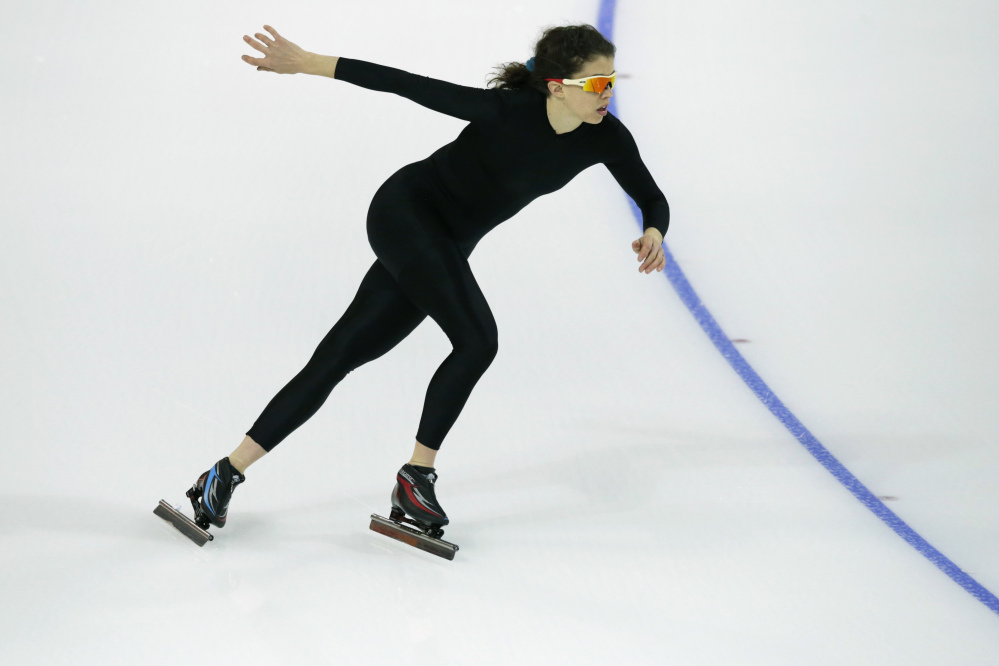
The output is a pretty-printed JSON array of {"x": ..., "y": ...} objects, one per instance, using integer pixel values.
[{"x": 560, "y": 53}]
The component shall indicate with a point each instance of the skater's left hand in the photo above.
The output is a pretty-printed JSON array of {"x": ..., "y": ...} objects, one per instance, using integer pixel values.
[
  {"x": 280, "y": 55},
  {"x": 649, "y": 248}
]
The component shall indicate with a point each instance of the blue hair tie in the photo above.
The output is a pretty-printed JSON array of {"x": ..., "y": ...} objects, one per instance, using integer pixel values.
[{"x": 530, "y": 65}]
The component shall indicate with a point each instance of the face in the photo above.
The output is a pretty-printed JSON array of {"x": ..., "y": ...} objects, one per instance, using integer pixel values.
[{"x": 587, "y": 106}]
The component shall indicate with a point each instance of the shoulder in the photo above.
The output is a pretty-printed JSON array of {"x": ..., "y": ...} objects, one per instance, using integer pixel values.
[
  {"x": 517, "y": 99},
  {"x": 616, "y": 141},
  {"x": 512, "y": 106},
  {"x": 612, "y": 128}
]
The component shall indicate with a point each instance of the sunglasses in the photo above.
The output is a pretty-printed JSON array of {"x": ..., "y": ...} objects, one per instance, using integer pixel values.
[{"x": 590, "y": 83}]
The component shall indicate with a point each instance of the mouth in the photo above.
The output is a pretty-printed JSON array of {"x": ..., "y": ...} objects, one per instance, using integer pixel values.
[{"x": 603, "y": 110}]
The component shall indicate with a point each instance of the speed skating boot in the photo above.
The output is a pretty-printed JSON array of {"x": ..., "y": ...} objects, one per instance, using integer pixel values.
[
  {"x": 414, "y": 496},
  {"x": 211, "y": 493}
]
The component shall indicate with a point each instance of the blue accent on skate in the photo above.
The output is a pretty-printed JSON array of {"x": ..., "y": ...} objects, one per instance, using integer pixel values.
[
  {"x": 605, "y": 24},
  {"x": 208, "y": 486}
]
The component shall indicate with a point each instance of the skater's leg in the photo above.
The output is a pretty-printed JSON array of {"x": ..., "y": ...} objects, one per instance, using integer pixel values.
[
  {"x": 379, "y": 317},
  {"x": 408, "y": 229},
  {"x": 440, "y": 282}
]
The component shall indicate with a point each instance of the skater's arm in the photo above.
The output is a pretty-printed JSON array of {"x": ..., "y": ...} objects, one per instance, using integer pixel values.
[
  {"x": 629, "y": 170},
  {"x": 627, "y": 167},
  {"x": 445, "y": 97},
  {"x": 284, "y": 57}
]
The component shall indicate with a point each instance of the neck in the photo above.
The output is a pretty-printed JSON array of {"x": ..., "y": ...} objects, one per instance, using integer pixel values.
[{"x": 559, "y": 117}]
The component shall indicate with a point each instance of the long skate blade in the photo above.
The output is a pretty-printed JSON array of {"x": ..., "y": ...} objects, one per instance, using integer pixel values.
[
  {"x": 184, "y": 525},
  {"x": 413, "y": 537}
]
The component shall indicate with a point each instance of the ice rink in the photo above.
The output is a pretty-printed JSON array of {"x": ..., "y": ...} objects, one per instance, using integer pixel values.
[{"x": 179, "y": 231}]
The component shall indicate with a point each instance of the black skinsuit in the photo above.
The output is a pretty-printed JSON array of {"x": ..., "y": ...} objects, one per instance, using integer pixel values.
[{"x": 425, "y": 220}]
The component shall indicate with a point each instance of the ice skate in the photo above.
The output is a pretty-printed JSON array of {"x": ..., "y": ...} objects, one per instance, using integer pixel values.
[
  {"x": 210, "y": 497},
  {"x": 415, "y": 503}
]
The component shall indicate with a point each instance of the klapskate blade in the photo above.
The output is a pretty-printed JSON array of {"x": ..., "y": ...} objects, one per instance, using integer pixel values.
[
  {"x": 185, "y": 525},
  {"x": 413, "y": 537}
]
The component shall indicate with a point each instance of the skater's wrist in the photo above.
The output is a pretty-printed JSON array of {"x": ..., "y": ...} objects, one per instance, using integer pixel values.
[{"x": 320, "y": 65}]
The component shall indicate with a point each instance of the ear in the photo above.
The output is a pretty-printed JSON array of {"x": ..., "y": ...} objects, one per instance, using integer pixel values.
[{"x": 555, "y": 88}]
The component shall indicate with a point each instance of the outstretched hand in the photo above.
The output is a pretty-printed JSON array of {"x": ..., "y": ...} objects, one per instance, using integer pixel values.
[
  {"x": 280, "y": 55},
  {"x": 649, "y": 248}
]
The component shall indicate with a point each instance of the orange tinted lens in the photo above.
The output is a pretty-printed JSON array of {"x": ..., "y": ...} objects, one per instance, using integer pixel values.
[{"x": 598, "y": 83}]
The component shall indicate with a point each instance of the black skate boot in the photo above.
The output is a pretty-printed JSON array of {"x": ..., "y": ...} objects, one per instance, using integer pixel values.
[
  {"x": 210, "y": 497},
  {"x": 211, "y": 493},
  {"x": 414, "y": 496}
]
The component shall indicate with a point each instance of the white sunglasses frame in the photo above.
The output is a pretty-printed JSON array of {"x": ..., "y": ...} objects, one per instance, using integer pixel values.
[{"x": 582, "y": 82}]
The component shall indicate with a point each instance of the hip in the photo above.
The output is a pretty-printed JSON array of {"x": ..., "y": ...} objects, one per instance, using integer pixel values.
[{"x": 409, "y": 212}]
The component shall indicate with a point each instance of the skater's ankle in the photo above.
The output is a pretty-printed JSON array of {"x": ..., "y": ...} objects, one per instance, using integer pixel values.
[
  {"x": 423, "y": 456},
  {"x": 247, "y": 453}
]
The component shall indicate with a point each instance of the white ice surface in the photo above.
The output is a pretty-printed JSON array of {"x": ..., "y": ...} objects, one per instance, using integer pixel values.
[{"x": 179, "y": 231}]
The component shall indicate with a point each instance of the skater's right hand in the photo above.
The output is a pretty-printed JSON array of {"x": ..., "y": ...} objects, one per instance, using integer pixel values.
[
  {"x": 280, "y": 55},
  {"x": 649, "y": 249}
]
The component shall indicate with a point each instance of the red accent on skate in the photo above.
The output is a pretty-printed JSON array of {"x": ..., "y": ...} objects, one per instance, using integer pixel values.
[{"x": 409, "y": 491}]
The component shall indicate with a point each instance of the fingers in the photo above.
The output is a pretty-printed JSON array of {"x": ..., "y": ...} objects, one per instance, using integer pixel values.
[
  {"x": 645, "y": 264},
  {"x": 257, "y": 62},
  {"x": 255, "y": 44},
  {"x": 660, "y": 263},
  {"x": 275, "y": 51},
  {"x": 652, "y": 254},
  {"x": 642, "y": 248},
  {"x": 656, "y": 259}
]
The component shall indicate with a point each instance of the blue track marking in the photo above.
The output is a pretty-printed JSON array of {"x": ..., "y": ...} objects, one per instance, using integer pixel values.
[{"x": 605, "y": 24}]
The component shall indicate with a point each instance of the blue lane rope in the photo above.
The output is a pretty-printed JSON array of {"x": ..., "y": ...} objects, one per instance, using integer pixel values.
[{"x": 605, "y": 24}]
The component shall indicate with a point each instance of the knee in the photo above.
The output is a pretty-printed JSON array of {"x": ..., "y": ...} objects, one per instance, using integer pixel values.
[
  {"x": 481, "y": 348},
  {"x": 489, "y": 348},
  {"x": 324, "y": 373},
  {"x": 331, "y": 362}
]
